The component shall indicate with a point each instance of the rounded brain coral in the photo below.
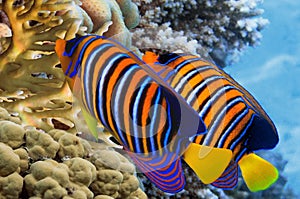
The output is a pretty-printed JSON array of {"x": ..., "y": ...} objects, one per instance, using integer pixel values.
[
  {"x": 50, "y": 179},
  {"x": 70, "y": 146},
  {"x": 81, "y": 171},
  {"x": 11, "y": 182},
  {"x": 40, "y": 145},
  {"x": 11, "y": 134},
  {"x": 104, "y": 173},
  {"x": 11, "y": 186},
  {"x": 9, "y": 161}
]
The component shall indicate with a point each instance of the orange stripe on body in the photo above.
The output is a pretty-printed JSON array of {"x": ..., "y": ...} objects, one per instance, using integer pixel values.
[
  {"x": 100, "y": 63},
  {"x": 238, "y": 129},
  {"x": 145, "y": 114},
  {"x": 162, "y": 123},
  {"x": 229, "y": 114},
  {"x": 207, "y": 91},
  {"x": 215, "y": 108},
  {"x": 113, "y": 82},
  {"x": 134, "y": 84},
  {"x": 257, "y": 106},
  {"x": 179, "y": 60}
]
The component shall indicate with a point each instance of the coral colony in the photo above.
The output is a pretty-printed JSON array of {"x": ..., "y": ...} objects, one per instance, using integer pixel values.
[
  {"x": 42, "y": 152},
  {"x": 221, "y": 29}
]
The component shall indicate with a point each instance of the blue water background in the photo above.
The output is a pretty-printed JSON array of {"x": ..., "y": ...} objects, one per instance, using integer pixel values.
[{"x": 271, "y": 72}]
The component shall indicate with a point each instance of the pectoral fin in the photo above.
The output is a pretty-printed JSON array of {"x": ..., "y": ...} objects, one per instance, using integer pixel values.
[
  {"x": 258, "y": 173},
  {"x": 91, "y": 123},
  {"x": 207, "y": 162}
]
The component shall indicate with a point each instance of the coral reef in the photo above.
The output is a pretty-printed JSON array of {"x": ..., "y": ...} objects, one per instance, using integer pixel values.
[
  {"x": 58, "y": 164},
  {"x": 222, "y": 28},
  {"x": 50, "y": 179},
  {"x": 41, "y": 155}
]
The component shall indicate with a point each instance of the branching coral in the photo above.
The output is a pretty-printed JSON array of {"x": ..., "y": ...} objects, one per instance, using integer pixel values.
[
  {"x": 222, "y": 28},
  {"x": 32, "y": 25},
  {"x": 32, "y": 84}
]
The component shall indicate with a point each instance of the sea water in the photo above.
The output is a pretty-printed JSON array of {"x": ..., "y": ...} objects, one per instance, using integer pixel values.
[{"x": 271, "y": 72}]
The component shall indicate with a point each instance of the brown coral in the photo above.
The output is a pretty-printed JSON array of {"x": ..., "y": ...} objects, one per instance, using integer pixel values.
[
  {"x": 11, "y": 134},
  {"x": 11, "y": 182},
  {"x": 114, "y": 176},
  {"x": 32, "y": 24},
  {"x": 40, "y": 145},
  {"x": 33, "y": 85},
  {"x": 73, "y": 174},
  {"x": 49, "y": 179},
  {"x": 31, "y": 82}
]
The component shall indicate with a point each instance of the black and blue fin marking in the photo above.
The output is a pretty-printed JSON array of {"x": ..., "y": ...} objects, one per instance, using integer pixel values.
[
  {"x": 165, "y": 172},
  {"x": 229, "y": 178}
]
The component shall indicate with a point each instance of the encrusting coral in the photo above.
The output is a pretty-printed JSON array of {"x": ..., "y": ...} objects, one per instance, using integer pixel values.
[{"x": 32, "y": 84}]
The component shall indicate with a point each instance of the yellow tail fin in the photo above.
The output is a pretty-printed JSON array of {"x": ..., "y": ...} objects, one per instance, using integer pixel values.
[
  {"x": 207, "y": 162},
  {"x": 258, "y": 173}
]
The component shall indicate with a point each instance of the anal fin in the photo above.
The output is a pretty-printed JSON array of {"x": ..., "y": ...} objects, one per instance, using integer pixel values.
[
  {"x": 207, "y": 162},
  {"x": 228, "y": 180},
  {"x": 164, "y": 171}
]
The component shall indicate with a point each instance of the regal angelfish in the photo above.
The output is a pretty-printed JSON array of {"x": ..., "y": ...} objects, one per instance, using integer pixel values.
[{"x": 234, "y": 119}]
